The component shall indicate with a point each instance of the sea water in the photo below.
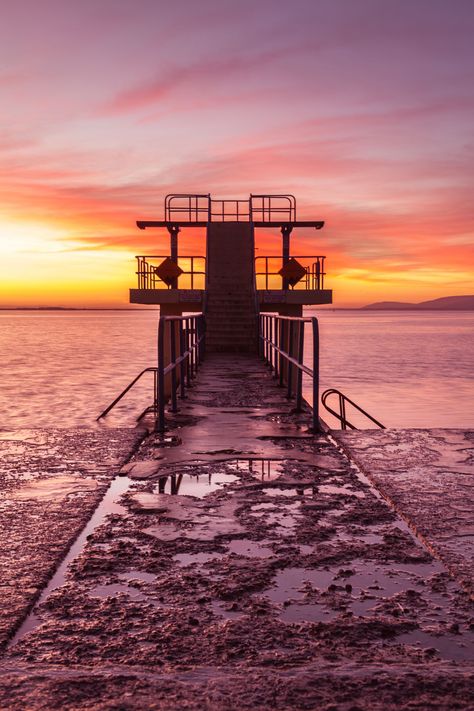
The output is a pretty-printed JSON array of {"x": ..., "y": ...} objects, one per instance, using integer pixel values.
[{"x": 62, "y": 368}]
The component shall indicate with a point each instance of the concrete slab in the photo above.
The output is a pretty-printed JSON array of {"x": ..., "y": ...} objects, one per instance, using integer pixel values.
[
  {"x": 428, "y": 475},
  {"x": 236, "y": 582},
  {"x": 50, "y": 483}
]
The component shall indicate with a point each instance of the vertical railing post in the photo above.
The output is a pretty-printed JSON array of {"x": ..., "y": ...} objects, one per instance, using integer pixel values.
[
  {"x": 277, "y": 336},
  {"x": 299, "y": 374},
  {"x": 282, "y": 344},
  {"x": 203, "y": 322},
  {"x": 188, "y": 359},
  {"x": 182, "y": 365},
  {"x": 291, "y": 334},
  {"x": 315, "y": 326},
  {"x": 174, "y": 404},
  {"x": 342, "y": 411},
  {"x": 266, "y": 333},
  {"x": 270, "y": 336},
  {"x": 161, "y": 374},
  {"x": 198, "y": 340}
]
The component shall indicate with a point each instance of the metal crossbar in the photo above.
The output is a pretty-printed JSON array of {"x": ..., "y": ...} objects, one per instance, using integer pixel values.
[
  {"x": 181, "y": 344},
  {"x": 281, "y": 345},
  {"x": 341, "y": 415}
]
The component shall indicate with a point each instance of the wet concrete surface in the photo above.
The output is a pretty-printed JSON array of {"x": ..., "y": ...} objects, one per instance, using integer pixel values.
[
  {"x": 50, "y": 483},
  {"x": 240, "y": 572},
  {"x": 428, "y": 475}
]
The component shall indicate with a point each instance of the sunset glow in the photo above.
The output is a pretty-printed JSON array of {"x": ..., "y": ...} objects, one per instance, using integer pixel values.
[{"x": 363, "y": 110}]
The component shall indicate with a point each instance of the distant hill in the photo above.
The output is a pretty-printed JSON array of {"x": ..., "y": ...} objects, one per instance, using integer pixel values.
[{"x": 446, "y": 303}]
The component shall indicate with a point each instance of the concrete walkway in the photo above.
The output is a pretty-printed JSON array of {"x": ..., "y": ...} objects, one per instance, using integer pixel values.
[{"x": 248, "y": 564}]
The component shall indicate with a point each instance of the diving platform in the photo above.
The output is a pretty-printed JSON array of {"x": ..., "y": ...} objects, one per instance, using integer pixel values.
[{"x": 282, "y": 283}]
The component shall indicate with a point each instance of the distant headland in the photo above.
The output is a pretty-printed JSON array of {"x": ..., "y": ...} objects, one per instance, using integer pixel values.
[{"x": 446, "y": 303}]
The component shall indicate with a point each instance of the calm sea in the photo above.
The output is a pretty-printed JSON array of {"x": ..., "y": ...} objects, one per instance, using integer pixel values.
[{"x": 409, "y": 369}]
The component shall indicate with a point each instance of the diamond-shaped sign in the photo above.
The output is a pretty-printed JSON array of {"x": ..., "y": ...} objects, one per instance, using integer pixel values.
[
  {"x": 292, "y": 272},
  {"x": 168, "y": 271}
]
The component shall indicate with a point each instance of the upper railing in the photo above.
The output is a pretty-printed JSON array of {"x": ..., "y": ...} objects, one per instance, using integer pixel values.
[
  {"x": 272, "y": 208},
  {"x": 183, "y": 208},
  {"x": 267, "y": 273}
]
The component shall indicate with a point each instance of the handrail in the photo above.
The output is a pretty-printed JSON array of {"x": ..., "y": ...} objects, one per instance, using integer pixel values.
[
  {"x": 341, "y": 415},
  {"x": 281, "y": 345},
  {"x": 124, "y": 392},
  {"x": 181, "y": 342}
]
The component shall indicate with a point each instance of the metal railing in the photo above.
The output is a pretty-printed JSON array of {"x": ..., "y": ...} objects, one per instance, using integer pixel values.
[
  {"x": 230, "y": 210},
  {"x": 181, "y": 349},
  {"x": 182, "y": 207},
  {"x": 268, "y": 277},
  {"x": 341, "y": 415},
  {"x": 201, "y": 208},
  {"x": 271, "y": 208},
  {"x": 281, "y": 345},
  {"x": 193, "y": 276}
]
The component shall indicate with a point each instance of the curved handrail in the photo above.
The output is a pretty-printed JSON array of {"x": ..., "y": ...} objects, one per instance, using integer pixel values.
[
  {"x": 124, "y": 392},
  {"x": 341, "y": 415}
]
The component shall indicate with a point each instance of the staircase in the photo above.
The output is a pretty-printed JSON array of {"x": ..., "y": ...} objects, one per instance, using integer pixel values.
[{"x": 231, "y": 311}]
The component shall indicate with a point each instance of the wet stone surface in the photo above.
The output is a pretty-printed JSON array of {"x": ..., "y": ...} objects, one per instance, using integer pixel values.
[
  {"x": 274, "y": 578},
  {"x": 429, "y": 477},
  {"x": 50, "y": 483}
]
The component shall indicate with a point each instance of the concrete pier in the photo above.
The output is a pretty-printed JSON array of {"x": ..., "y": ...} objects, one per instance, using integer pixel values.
[{"x": 247, "y": 563}]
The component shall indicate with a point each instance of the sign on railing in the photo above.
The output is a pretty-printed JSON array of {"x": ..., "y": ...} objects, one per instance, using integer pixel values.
[
  {"x": 190, "y": 272},
  {"x": 268, "y": 273}
]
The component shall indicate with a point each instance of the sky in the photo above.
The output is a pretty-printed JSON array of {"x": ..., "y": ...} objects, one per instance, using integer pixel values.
[{"x": 363, "y": 109}]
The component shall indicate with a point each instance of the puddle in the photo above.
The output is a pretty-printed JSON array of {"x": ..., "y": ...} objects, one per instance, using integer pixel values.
[
  {"x": 447, "y": 645},
  {"x": 307, "y": 613},
  {"x": 138, "y": 575},
  {"x": 107, "y": 506},
  {"x": 54, "y": 488},
  {"x": 198, "y": 485},
  {"x": 221, "y": 611},
  {"x": 190, "y": 558},
  {"x": 261, "y": 469},
  {"x": 249, "y": 548},
  {"x": 345, "y": 489},
  {"x": 113, "y": 589},
  {"x": 290, "y": 581},
  {"x": 307, "y": 491}
]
